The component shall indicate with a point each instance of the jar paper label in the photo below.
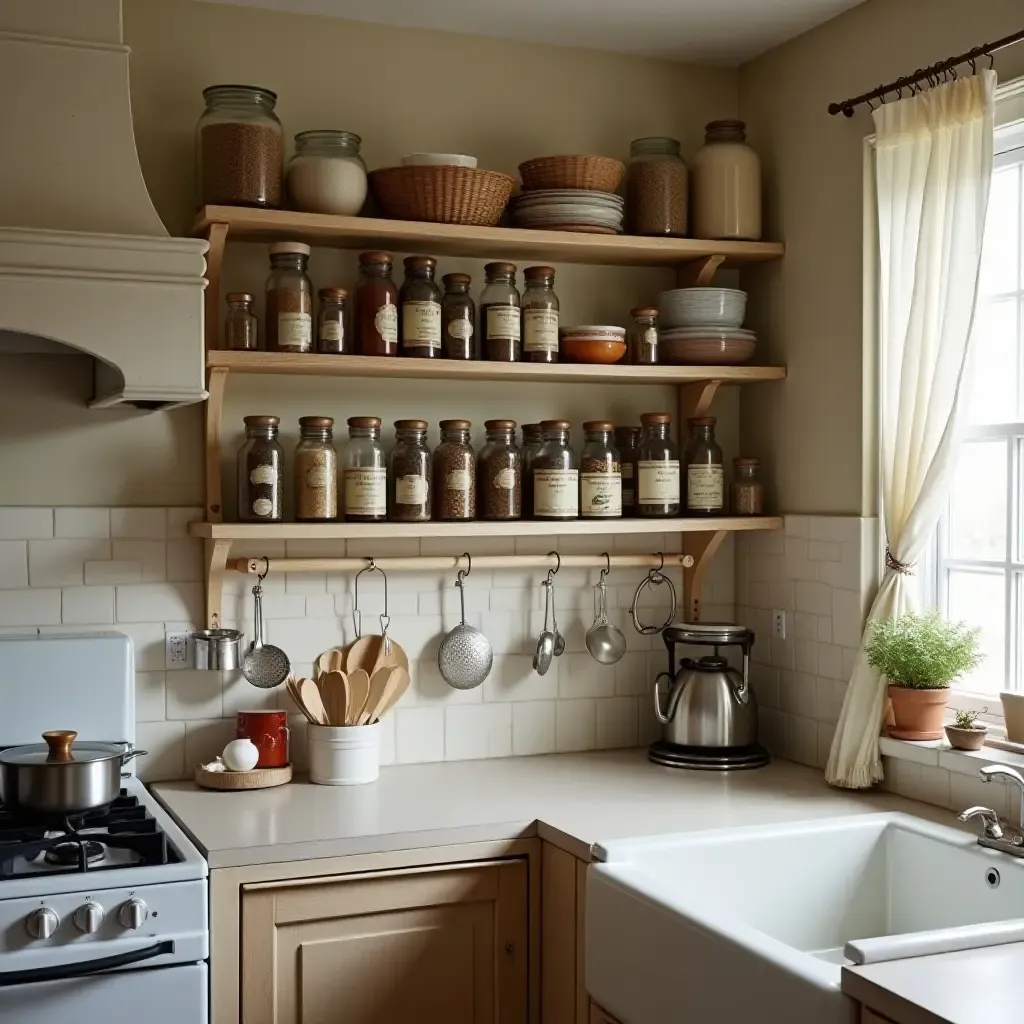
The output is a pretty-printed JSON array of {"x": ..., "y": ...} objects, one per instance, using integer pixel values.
[
  {"x": 505, "y": 479},
  {"x": 318, "y": 477},
  {"x": 503, "y": 322},
  {"x": 386, "y": 322},
  {"x": 600, "y": 495},
  {"x": 705, "y": 488},
  {"x": 264, "y": 475},
  {"x": 540, "y": 330},
  {"x": 332, "y": 330},
  {"x": 411, "y": 490},
  {"x": 421, "y": 325},
  {"x": 556, "y": 492},
  {"x": 460, "y": 329},
  {"x": 459, "y": 480},
  {"x": 366, "y": 491},
  {"x": 262, "y": 507},
  {"x": 658, "y": 482},
  {"x": 295, "y": 331}
]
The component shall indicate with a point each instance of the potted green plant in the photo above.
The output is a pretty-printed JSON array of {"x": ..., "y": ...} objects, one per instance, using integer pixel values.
[
  {"x": 964, "y": 733},
  {"x": 920, "y": 657}
]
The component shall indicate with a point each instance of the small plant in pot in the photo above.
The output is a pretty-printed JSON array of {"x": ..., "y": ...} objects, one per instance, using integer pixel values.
[
  {"x": 920, "y": 657},
  {"x": 964, "y": 733}
]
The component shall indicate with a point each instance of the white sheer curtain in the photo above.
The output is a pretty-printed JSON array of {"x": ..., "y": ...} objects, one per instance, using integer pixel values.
[{"x": 933, "y": 166}]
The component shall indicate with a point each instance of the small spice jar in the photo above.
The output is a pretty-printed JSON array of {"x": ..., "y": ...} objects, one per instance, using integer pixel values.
[
  {"x": 419, "y": 303},
  {"x": 458, "y": 318},
  {"x": 331, "y": 336},
  {"x": 326, "y": 174},
  {"x": 657, "y": 468},
  {"x": 726, "y": 184},
  {"x": 556, "y": 484},
  {"x": 540, "y": 316},
  {"x": 316, "y": 471},
  {"x": 240, "y": 147},
  {"x": 241, "y": 327},
  {"x": 705, "y": 477},
  {"x": 289, "y": 299},
  {"x": 365, "y": 473},
  {"x": 375, "y": 302},
  {"x": 656, "y": 188},
  {"x": 409, "y": 476},
  {"x": 500, "y": 314},
  {"x": 454, "y": 488},
  {"x": 642, "y": 337},
  {"x": 600, "y": 473},
  {"x": 260, "y": 486},
  {"x": 747, "y": 491},
  {"x": 533, "y": 440},
  {"x": 500, "y": 473},
  {"x": 626, "y": 440}
]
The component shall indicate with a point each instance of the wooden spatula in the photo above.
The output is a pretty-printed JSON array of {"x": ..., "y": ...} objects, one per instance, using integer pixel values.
[
  {"x": 378, "y": 685},
  {"x": 358, "y": 691}
]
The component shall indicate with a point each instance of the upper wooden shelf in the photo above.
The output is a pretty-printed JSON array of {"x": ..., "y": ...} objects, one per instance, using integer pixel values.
[{"x": 252, "y": 225}]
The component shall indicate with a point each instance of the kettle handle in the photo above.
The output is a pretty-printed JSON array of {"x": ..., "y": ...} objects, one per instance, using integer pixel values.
[
  {"x": 743, "y": 691},
  {"x": 673, "y": 699}
]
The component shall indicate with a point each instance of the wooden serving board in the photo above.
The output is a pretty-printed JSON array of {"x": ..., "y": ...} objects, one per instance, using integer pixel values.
[{"x": 258, "y": 778}]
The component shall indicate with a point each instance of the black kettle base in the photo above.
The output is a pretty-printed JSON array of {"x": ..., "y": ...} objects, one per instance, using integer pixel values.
[{"x": 714, "y": 759}]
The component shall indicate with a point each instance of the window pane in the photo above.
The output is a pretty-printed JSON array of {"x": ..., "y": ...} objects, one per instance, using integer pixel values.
[
  {"x": 999, "y": 257},
  {"x": 977, "y": 504},
  {"x": 979, "y": 598},
  {"x": 994, "y": 389}
]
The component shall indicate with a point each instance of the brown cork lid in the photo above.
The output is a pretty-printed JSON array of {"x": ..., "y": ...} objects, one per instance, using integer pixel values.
[
  {"x": 702, "y": 421},
  {"x": 333, "y": 293},
  {"x": 455, "y": 424},
  {"x": 364, "y": 421},
  {"x": 655, "y": 417},
  {"x": 450, "y": 279},
  {"x": 238, "y": 297},
  {"x": 410, "y": 424},
  {"x": 500, "y": 424},
  {"x": 555, "y": 425},
  {"x": 643, "y": 311},
  {"x": 490, "y": 269},
  {"x": 276, "y": 248},
  {"x": 598, "y": 425},
  {"x": 262, "y": 421},
  {"x": 419, "y": 263},
  {"x": 316, "y": 422},
  {"x": 376, "y": 256},
  {"x": 531, "y": 428},
  {"x": 628, "y": 430},
  {"x": 538, "y": 272},
  {"x": 743, "y": 460}
]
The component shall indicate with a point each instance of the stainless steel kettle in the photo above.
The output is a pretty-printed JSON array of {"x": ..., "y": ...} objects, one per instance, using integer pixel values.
[{"x": 709, "y": 704}]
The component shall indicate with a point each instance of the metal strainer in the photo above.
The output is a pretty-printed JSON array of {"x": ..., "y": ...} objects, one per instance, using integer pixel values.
[
  {"x": 465, "y": 656},
  {"x": 264, "y": 665}
]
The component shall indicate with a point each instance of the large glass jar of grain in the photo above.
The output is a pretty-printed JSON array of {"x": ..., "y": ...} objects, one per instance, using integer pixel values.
[
  {"x": 556, "y": 480},
  {"x": 409, "y": 476},
  {"x": 289, "y": 305},
  {"x": 316, "y": 471},
  {"x": 656, "y": 188},
  {"x": 455, "y": 473},
  {"x": 239, "y": 148},
  {"x": 260, "y": 485},
  {"x": 499, "y": 485},
  {"x": 366, "y": 472},
  {"x": 726, "y": 184},
  {"x": 657, "y": 468}
]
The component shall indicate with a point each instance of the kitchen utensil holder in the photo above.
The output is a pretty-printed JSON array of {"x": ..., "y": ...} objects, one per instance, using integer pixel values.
[{"x": 344, "y": 755}]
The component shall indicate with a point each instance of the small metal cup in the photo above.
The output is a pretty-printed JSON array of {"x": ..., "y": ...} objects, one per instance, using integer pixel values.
[{"x": 216, "y": 649}]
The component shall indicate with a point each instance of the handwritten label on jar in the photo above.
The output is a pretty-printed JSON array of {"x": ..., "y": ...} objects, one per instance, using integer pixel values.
[
  {"x": 503, "y": 322},
  {"x": 705, "y": 488},
  {"x": 600, "y": 495},
  {"x": 540, "y": 330},
  {"x": 657, "y": 482},
  {"x": 332, "y": 330},
  {"x": 462, "y": 330},
  {"x": 317, "y": 476},
  {"x": 411, "y": 490},
  {"x": 505, "y": 479},
  {"x": 421, "y": 324},
  {"x": 556, "y": 492},
  {"x": 295, "y": 331},
  {"x": 366, "y": 492},
  {"x": 460, "y": 480},
  {"x": 386, "y": 322},
  {"x": 264, "y": 475},
  {"x": 262, "y": 507}
]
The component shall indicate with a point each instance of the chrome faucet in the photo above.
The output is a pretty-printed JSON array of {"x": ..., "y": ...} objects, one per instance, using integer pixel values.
[
  {"x": 992, "y": 836},
  {"x": 1002, "y": 771}
]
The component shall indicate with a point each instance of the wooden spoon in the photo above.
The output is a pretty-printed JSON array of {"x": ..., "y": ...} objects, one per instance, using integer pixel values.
[
  {"x": 331, "y": 661},
  {"x": 336, "y": 691},
  {"x": 397, "y": 684},
  {"x": 309, "y": 698},
  {"x": 293, "y": 686},
  {"x": 359, "y": 690},
  {"x": 378, "y": 683},
  {"x": 394, "y": 657},
  {"x": 363, "y": 653}
]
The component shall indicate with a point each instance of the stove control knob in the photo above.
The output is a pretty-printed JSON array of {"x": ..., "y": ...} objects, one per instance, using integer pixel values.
[
  {"x": 42, "y": 923},
  {"x": 88, "y": 917},
  {"x": 133, "y": 913}
]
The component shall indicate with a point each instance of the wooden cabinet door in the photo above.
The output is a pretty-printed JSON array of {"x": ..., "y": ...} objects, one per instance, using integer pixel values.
[{"x": 440, "y": 944}]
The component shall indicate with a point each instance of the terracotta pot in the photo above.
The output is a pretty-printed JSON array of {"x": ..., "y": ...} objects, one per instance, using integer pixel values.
[
  {"x": 918, "y": 713},
  {"x": 966, "y": 739},
  {"x": 1013, "y": 716}
]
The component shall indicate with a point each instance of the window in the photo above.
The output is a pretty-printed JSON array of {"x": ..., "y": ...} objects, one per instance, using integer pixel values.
[{"x": 977, "y": 570}]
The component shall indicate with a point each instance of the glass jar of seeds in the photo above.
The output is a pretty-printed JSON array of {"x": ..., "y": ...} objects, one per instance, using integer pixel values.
[
  {"x": 499, "y": 485},
  {"x": 331, "y": 335},
  {"x": 600, "y": 473},
  {"x": 289, "y": 299},
  {"x": 316, "y": 471},
  {"x": 540, "y": 316},
  {"x": 409, "y": 475},
  {"x": 626, "y": 440},
  {"x": 458, "y": 318},
  {"x": 705, "y": 477},
  {"x": 241, "y": 328},
  {"x": 747, "y": 491},
  {"x": 419, "y": 303},
  {"x": 657, "y": 468},
  {"x": 533, "y": 439},
  {"x": 656, "y": 188},
  {"x": 454, "y": 470},
  {"x": 260, "y": 485},
  {"x": 365, "y": 472},
  {"x": 500, "y": 314},
  {"x": 642, "y": 337},
  {"x": 556, "y": 485}
]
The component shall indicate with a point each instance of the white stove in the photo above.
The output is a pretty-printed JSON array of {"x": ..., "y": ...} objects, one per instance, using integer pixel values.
[{"x": 103, "y": 917}]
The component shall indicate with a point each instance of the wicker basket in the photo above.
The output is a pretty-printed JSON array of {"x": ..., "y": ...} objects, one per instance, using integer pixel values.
[
  {"x": 444, "y": 194},
  {"x": 594, "y": 173}
]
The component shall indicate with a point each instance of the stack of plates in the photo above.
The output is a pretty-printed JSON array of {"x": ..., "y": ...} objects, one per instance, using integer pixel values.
[{"x": 569, "y": 209}]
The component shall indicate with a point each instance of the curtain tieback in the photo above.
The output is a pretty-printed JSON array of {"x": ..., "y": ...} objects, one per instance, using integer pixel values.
[{"x": 903, "y": 568}]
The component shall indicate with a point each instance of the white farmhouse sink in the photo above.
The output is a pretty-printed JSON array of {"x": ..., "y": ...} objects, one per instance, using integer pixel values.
[{"x": 756, "y": 923}]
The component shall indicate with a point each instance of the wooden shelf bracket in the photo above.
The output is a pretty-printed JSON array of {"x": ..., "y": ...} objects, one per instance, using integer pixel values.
[
  {"x": 216, "y": 568},
  {"x": 217, "y": 379},
  {"x": 703, "y": 547}
]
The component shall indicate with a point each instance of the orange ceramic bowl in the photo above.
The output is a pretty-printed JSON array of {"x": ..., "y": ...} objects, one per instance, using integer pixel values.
[{"x": 591, "y": 350}]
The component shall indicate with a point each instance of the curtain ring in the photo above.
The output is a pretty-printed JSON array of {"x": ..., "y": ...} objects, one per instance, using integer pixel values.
[
  {"x": 952, "y": 72},
  {"x": 991, "y": 62},
  {"x": 653, "y": 579},
  {"x": 260, "y": 577}
]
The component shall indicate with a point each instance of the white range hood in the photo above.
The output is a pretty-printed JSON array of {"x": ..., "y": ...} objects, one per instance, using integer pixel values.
[{"x": 85, "y": 260}]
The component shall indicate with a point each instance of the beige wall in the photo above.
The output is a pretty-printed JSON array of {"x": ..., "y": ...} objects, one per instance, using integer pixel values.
[{"x": 813, "y": 431}]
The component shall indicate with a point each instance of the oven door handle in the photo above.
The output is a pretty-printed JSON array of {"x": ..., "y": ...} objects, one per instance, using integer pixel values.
[{"x": 85, "y": 967}]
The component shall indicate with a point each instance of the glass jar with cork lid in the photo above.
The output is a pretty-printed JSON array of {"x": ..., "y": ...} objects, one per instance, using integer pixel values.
[
  {"x": 500, "y": 314},
  {"x": 365, "y": 473},
  {"x": 499, "y": 484},
  {"x": 540, "y": 316},
  {"x": 316, "y": 471},
  {"x": 409, "y": 476},
  {"x": 642, "y": 337},
  {"x": 657, "y": 468},
  {"x": 600, "y": 473},
  {"x": 331, "y": 333},
  {"x": 260, "y": 482},
  {"x": 454, "y": 487},
  {"x": 705, "y": 477},
  {"x": 747, "y": 492},
  {"x": 375, "y": 306},
  {"x": 556, "y": 485},
  {"x": 289, "y": 305},
  {"x": 419, "y": 305},
  {"x": 458, "y": 318},
  {"x": 241, "y": 328}
]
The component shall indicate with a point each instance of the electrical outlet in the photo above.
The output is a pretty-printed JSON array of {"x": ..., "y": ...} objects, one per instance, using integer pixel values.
[
  {"x": 176, "y": 650},
  {"x": 779, "y": 623}
]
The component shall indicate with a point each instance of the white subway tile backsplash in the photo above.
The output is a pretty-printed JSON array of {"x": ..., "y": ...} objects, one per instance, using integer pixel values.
[
  {"x": 26, "y": 523},
  {"x": 632, "y": 678},
  {"x": 61, "y": 563},
  {"x": 617, "y": 722},
  {"x": 846, "y": 618},
  {"x": 813, "y": 597},
  {"x": 419, "y": 734},
  {"x": 514, "y": 679},
  {"x": 824, "y": 551},
  {"x": 192, "y": 694},
  {"x": 580, "y": 676},
  {"x": 150, "y": 697},
  {"x": 151, "y": 556},
  {"x": 533, "y": 727},
  {"x": 29, "y": 607},
  {"x": 165, "y": 746},
  {"x": 159, "y": 602},
  {"x": 830, "y": 661},
  {"x": 476, "y": 731},
  {"x": 575, "y": 725},
  {"x": 139, "y": 523},
  {"x": 81, "y": 523},
  {"x": 430, "y": 688},
  {"x": 82, "y": 606},
  {"x": 13, "y": 564},
  {"x": 184, "y": 561},
  {"x": 205, "y": 739},
  {"x": 107, "y": 573},
  {"x": 178, "y": 520}
]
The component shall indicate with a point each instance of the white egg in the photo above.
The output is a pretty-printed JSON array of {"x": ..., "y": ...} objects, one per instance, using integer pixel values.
[{"x": 241, "y": 755}]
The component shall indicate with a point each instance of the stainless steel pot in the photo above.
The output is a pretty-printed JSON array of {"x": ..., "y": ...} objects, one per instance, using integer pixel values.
[
  {"x": 216, "y": 650},
  {"x": 57, "y": 779}
]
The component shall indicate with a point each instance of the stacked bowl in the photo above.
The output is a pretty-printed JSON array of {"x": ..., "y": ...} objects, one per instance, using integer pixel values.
[{"x": 703, "y": 326}]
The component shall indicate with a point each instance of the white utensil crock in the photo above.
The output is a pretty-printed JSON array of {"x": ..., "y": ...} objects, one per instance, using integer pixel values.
[{"x": 344, "y": 755}]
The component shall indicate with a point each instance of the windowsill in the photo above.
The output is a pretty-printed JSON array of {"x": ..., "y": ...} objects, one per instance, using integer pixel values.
[{"x": 939, "y": 754}]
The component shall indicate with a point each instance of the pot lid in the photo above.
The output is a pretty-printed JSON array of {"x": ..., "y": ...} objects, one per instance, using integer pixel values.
[
  {"x": 60, "y": 748},
  {"x": 709, "y": 633}
]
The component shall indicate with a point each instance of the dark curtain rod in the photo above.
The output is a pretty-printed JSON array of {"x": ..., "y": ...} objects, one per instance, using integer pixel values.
[{"x": 928, "y": 74}]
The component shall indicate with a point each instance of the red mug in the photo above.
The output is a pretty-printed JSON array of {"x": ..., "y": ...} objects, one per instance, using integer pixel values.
[{"x": 268, "y": 731}]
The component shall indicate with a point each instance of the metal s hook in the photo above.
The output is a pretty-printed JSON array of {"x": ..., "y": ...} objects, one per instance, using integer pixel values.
[
  {"x": 357, "y": 615},
  {"x": 260, "y": 577},
  {"x": 607, "y": 565},
  {"x": 662, "y": 565},
  {"x": 558, "y": 565},
  {"x": 463, "y": 573}
]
